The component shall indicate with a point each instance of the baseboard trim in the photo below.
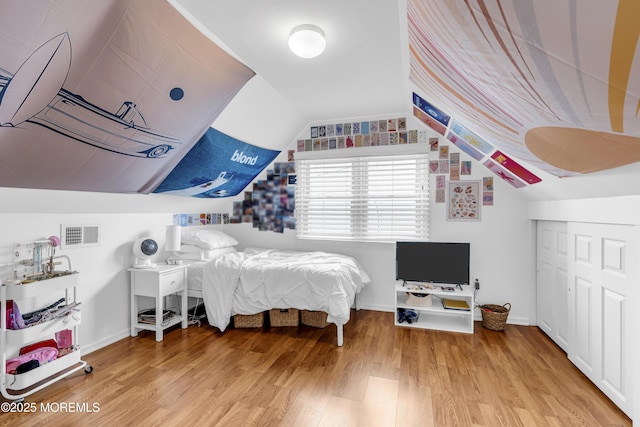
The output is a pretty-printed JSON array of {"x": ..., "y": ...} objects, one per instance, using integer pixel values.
[{"x": 97, "y": 345}]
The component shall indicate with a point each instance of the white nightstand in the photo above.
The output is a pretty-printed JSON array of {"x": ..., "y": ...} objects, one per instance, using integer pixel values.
[{"x": 157, "y": 283}]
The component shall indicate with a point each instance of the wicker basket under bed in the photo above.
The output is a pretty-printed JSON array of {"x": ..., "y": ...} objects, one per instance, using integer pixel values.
[
  {"x": 284, "y": 316},
  {"x": 494, "y": 316},
  {"x": 248, "y": 321},
  {"x": 317, "y": 319}
]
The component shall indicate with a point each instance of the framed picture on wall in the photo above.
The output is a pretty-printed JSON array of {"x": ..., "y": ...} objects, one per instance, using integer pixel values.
[{"x": 464, "y": 200}]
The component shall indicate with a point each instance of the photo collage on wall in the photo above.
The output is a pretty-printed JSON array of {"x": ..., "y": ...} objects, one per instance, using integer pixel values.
[
  {"x": 271, "y": 204},
  {"x": 361, "y": 134},
  {"x": 449, "y": 163},
  {"x": 187, "y": 220},
  {"x": 472, "y": 144}
]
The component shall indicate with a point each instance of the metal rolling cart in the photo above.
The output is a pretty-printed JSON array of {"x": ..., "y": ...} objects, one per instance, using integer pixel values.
[{"x": 35, "y": 277}]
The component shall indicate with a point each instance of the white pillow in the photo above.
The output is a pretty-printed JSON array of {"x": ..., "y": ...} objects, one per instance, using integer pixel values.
[
  {"x": 195, "y": 253},
  {"x": 208, "y": 239}
]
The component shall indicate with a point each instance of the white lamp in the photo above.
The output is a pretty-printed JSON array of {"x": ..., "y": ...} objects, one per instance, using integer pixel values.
[
  {"x": 307, "y": 41},
  {"x": 172, "y": 243}
]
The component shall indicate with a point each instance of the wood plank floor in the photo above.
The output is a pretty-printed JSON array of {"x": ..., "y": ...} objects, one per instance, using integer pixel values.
[{"x": 297, "y": 376}]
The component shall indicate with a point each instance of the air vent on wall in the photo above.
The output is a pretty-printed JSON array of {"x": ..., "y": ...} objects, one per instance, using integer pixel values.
[{"x": 76, "y": 236}]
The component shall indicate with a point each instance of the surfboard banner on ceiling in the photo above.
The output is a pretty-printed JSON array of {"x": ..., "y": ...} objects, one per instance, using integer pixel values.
[
  {"x": 217, "y": 166},
  {"x": 105, "y": 96}
]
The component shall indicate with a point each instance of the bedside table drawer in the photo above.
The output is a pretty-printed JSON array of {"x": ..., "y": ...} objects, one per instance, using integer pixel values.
[{"x": 171, "y": 282}]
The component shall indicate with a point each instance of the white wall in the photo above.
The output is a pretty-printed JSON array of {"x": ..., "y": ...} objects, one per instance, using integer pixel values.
[
  {"x": 501, "y": 254},
  {"x": 104, "y": 283},
  {"x": 501, "y": 246}
]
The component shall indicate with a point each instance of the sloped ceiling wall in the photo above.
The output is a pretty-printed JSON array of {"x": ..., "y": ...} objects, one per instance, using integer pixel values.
[
  {"x": 105, "y": 97},
  {"x": 549, "y": 82}
]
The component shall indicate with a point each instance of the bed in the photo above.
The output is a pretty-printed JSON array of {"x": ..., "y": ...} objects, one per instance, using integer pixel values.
[{"x": 258, "y": 279}]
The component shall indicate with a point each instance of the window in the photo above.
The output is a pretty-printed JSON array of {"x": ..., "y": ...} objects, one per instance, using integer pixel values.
[{"x": 364, "y": 198}]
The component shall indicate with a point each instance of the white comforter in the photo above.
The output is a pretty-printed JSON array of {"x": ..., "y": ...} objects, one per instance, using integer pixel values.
[{"x": 261, "y": 279}]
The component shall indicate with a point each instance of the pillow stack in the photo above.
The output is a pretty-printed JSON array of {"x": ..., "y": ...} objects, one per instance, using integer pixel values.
[{"x": 205, "y": 245}]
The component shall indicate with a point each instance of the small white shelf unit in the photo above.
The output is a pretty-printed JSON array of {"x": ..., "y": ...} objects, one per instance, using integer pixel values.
[
  {"x": 436, "y": 316},
  {"x": 157, "y": 283},
  {"x": 18, "y": 386}
]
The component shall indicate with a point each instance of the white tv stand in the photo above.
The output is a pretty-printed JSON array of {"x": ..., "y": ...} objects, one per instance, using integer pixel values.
[{"x": 436, "y": 316}]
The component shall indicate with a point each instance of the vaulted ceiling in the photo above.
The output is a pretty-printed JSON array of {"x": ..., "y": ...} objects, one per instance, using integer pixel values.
[
  {"x": 545, "y": 89},
  {"x": 548, "y": 83}
]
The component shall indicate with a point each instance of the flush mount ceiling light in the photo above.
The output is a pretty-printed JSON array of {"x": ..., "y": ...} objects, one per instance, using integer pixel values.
[{"x": 307, "y": 41}]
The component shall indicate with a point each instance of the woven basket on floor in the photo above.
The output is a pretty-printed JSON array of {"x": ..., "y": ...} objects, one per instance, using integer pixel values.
[
  {"x": 248, "y": 321},
  {"x": 317, "y": 319},
  {"x": 494, "y": 316},
  {"x": 284, "y": 317}
]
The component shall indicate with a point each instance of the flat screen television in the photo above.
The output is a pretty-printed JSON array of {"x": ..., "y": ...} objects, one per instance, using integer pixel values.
[{"x": 436, "y": 262}]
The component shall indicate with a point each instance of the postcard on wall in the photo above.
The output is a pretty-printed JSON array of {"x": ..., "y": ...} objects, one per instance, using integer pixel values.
[
  {"x": 463, "y": 201},
  {"x": 384, "y": 138},
  {"x": 349, "y": 141},
  {"x": 308, "y": 145},
  {"x": 314, "y": 131},
  {"x": 333, "y": 143},
  {"x": 358, "y": 140},
  {"x": 454, "y": 173},
  {"x": 373, "y": 126},
  {"x": 433, "y": 144},
  {"x": 434, "y": 166},
  {"x": 441, "y": 182},
  {"x": 403, "y": 138},
  {"x": 423, "y": 136},
  {"x": 504, "y": 174},
  {"x": 487, "y": 183},
  {"x": 346, "y": 129},
  {"x": 355, "y": 128},
  {"x": 443, "y": 166},
  {"x": 322, "y": 131},
  {"x": 427, "y": 120},
  {"x": 392, "y": 125},
  {"x": 341, "y": 142},
  {"x": 402, "y": 124},
  {"x": 366, "y": 140},
  {"x": 291, "y": 153},
  {"x": 464, "y": 146},
  {"x": 317, "y": 146},
  {"x": 375, "y": 139},
  {"x": 364, "y": 128},
  {"x": 444, "y": 152},
  {"x": 300, "y": 145},
  {"x": 382, "y": 125},
  {"x": 331, "y": 130},
  {"x": 454, "y": 159},
  {"x": 440, "y": 196},
  {"x": 413, "y": 136},
  {"x": 324, "y": 143},
  {"x": 465, "y": 167},
  {"x": 339, "y": 129},
  {"x": 487, "y": 198},
  {"x": 393, "y": 138}
]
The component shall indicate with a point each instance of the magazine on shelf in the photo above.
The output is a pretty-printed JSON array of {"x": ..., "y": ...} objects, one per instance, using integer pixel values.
[{"x": 455, "y": 304}]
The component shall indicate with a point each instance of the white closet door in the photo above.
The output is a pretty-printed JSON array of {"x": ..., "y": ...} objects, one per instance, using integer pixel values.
[
  {"x": 602, "y": 273},
  {"x": 552, "y": 281}
]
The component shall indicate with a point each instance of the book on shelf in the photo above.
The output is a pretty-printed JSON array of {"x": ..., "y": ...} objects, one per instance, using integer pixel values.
[
  {"x": 455, "y": 304},
  {"x": 149, "y": 316}
]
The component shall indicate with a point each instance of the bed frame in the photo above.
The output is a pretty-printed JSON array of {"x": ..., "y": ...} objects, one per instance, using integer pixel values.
[{"x": 339, "y": 327}]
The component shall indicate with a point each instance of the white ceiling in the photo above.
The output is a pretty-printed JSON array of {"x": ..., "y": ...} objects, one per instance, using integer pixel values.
[{"x": 361, "y": 73}]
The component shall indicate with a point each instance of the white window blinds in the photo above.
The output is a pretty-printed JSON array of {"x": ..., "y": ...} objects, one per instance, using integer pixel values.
[{"x": 365, "y": 198}]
